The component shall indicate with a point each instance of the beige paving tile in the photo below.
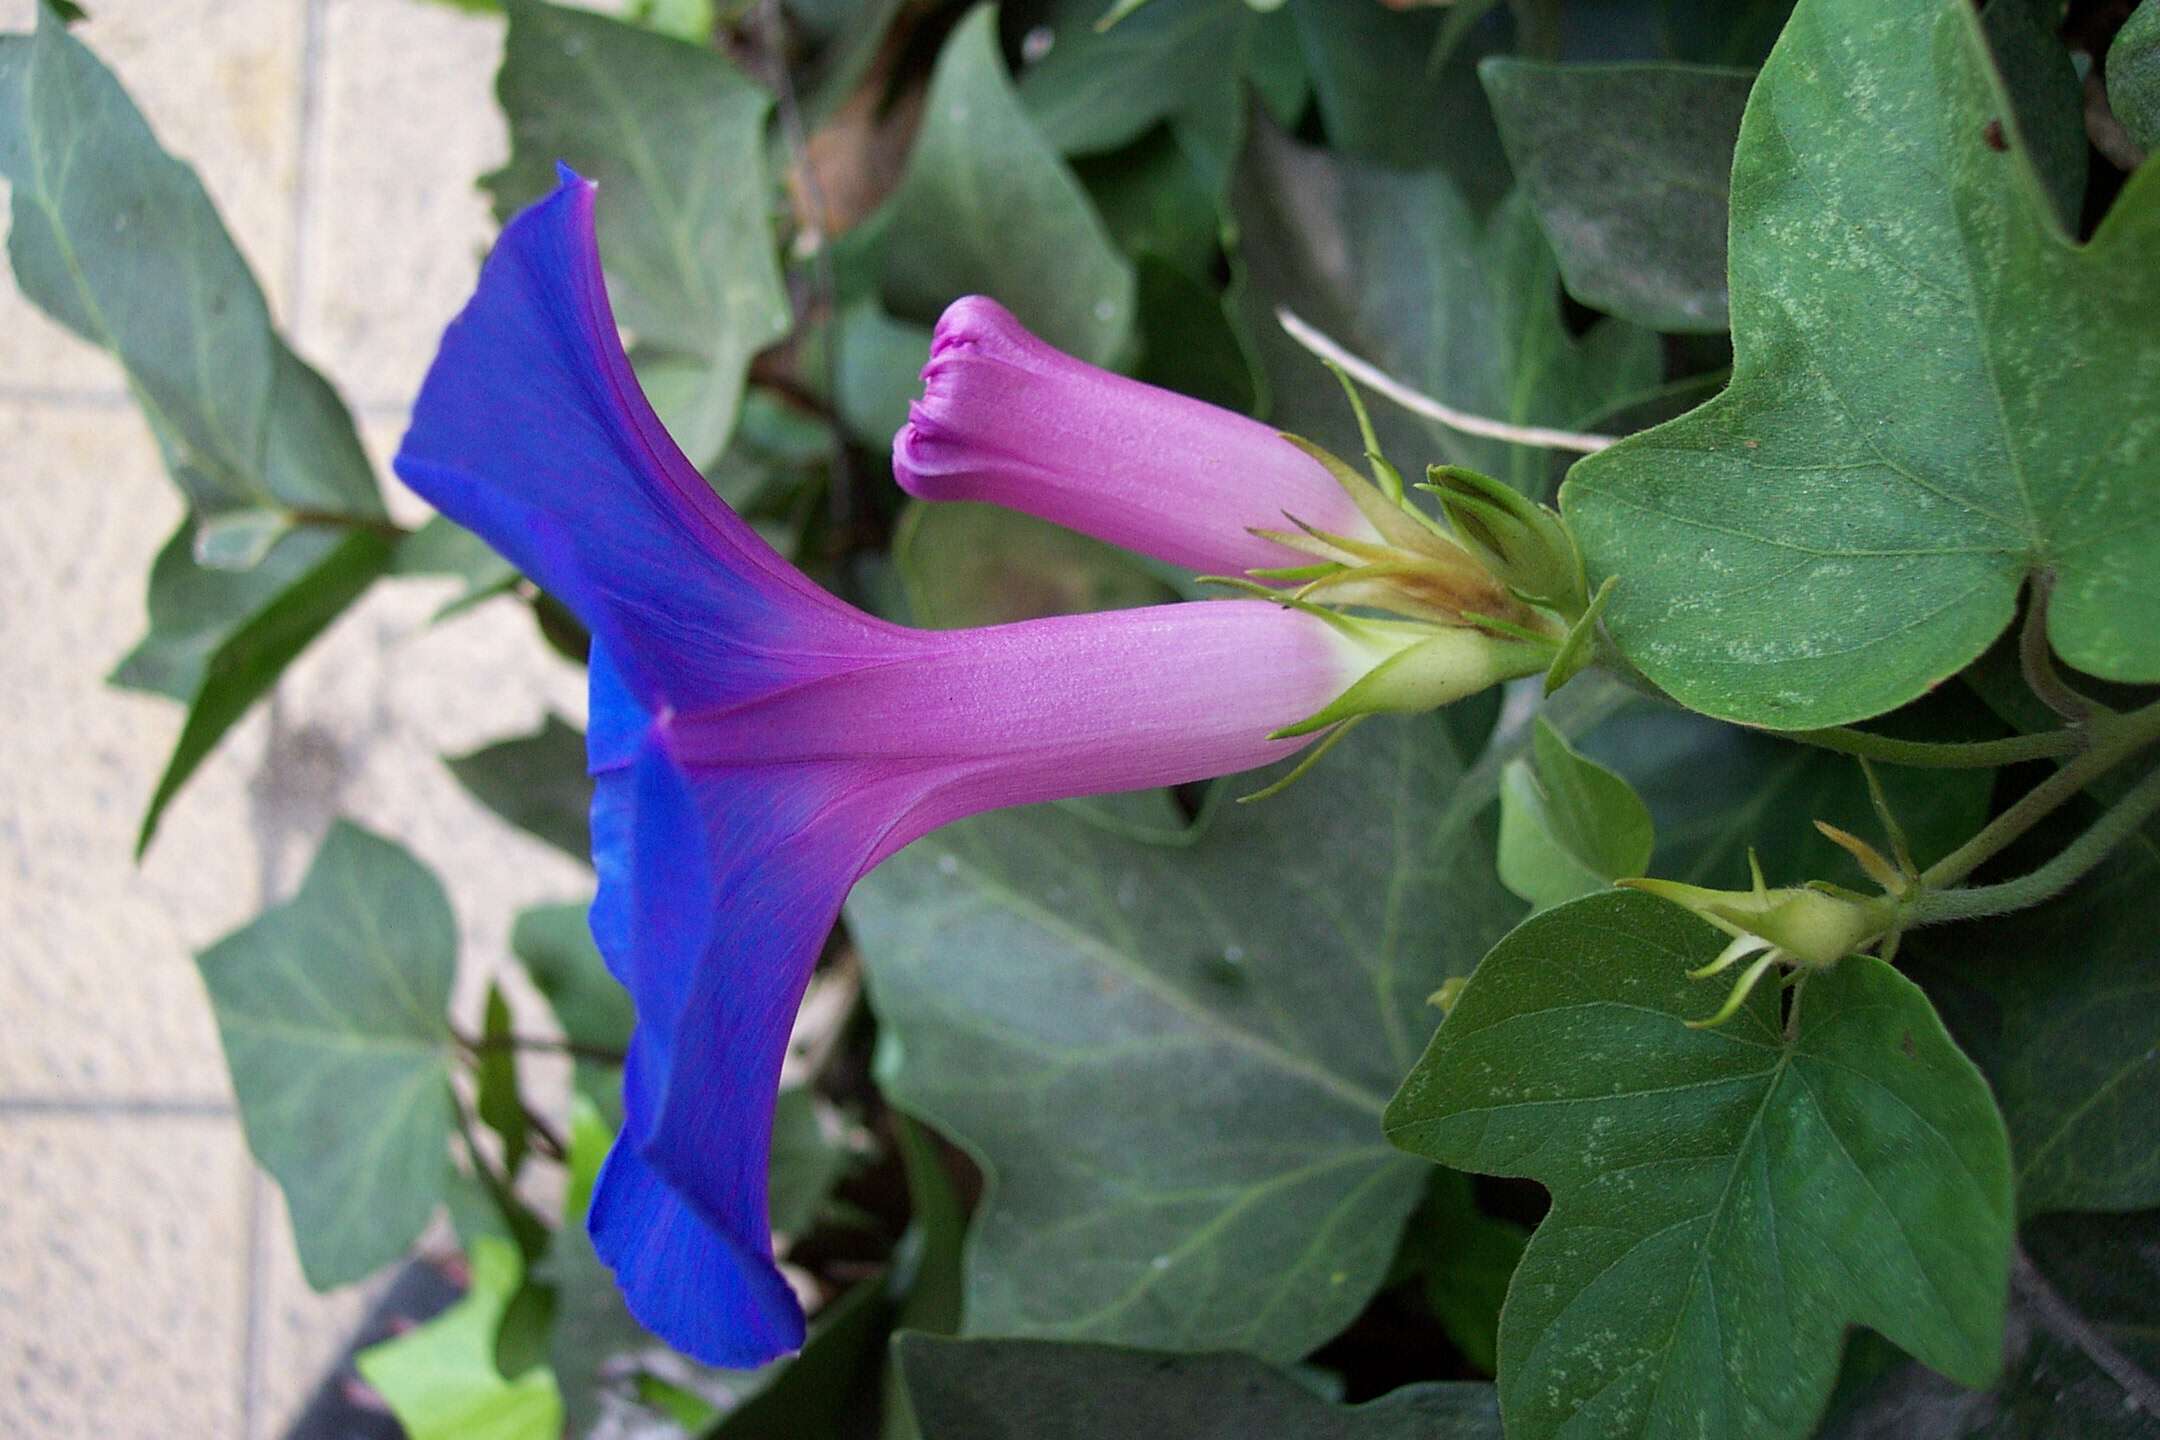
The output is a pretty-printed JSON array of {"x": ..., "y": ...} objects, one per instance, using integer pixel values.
[
  {"x": 97, "y": 985},
  {"x": 299, "y": 1334},
  {"x": 219, "y": 81},
  {"x": 122, "y": 1288},
  {"x": 398, "y": 225}
]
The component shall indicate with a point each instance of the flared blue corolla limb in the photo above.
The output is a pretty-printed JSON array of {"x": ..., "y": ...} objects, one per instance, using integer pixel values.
[{"x": 757, "y": 745}]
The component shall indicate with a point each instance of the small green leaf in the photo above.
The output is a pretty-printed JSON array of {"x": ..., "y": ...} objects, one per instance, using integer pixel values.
[
  {"x": 1627, "y": 167},
  {"x": 555, "y": 945},
  {"x": 926, "y": 1274},
  {"x": 1935, "y": 394},
  {"x": 1725, "y": 1201},
  {"x": 498, "y": 1103},
  {"x": 1465, "y": 1258},
  {"x": 987, "y": 206},
  {"x": 440, "y": 1380},
  {"x": 2133, "y": 75},
  {"x": 933, "y": 1296},
  {"x": 675, "y": 136},
  {"x": 117, "y": 241},
  {"x": 332, "y": 1010},
  {"x": 2041, "y": 83},
  {"x": 537, "y": 782},
  {"x": 1568, "y": 826},
  {"x": 688, "y": 20},
  {"x": 1007, "y": 1389},
  {"x": 1030, "y": 962}
]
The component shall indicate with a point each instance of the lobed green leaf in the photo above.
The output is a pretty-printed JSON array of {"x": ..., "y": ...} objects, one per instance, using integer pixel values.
[{"x": 1725, "y": 1201}]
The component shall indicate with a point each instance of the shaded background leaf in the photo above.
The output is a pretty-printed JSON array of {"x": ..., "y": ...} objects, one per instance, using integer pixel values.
[
  {"x": 987, "y": 206},
  {"x": 1262, "y": 986},
  {"x": 1627, "y": 167},
  {"x": 1034, "y": 1390},
  {"x": 675, "y": 135}
]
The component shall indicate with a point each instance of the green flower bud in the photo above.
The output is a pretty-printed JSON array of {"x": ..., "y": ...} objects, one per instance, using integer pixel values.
[{"x": 1520, "y": 541}]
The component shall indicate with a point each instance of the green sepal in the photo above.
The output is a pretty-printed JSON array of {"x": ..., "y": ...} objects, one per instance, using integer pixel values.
[
  {"x": 1816, "y": 924},
  {"x": 1385, "y": 475},
  {"x": 1449, "y": 665},
  {"x": 1399, "y": 525},
  {"x": 1574, "y": 654}
]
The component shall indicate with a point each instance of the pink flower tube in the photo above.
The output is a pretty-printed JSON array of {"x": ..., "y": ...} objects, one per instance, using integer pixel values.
[
  {"x": 1008, "y": 419},
  {"x": 757, "y": 744}
]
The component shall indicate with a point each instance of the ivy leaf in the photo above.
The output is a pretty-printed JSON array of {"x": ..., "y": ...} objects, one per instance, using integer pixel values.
[
  {"x": 1033, "y": 1390},
  {"x": 117, "y": 240},
  {"x": 675, "y": 135},
  {"x": 1030, "y": 962},
  {"x": 1568, "y": 826},
  {"x": 1396, "y": 266},
  {"x": 537, "y": 782},
  {"x": 332, "y": 1010},
  {"x": 1725, "y": 1201},
  {"x": 1192, "y": 340},
  {"x": 254, "y": 647},
  {"x": 878, "y": 365},
  {"x": 1935, "y": 394},
  {"x": 1180, "y": 62},
  {"x": 2068, "y": 1031},
  {"x": 1627, "y": 167},
  {"x": 1397, "y": 87},
  {"x": 987, "y": 206},
  {"x": 2133, "y": 75},
  {"x": 440, "y": 1380},
  {"x": 2082, "y": 1359}
]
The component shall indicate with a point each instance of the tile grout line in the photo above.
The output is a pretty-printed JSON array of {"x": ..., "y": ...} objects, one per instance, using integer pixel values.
[
  {"x": 117, "y": 1107},
  {"x": 307, "y": 139}
]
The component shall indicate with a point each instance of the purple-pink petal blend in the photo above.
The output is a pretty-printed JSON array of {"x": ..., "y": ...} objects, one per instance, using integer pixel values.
[
  {"x": 1011, "y": 420},
  {"x": 757, "y": 744}
]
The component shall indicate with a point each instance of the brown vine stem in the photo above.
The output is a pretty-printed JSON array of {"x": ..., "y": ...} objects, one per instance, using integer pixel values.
[{"x": 2057, "y": 1316}]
